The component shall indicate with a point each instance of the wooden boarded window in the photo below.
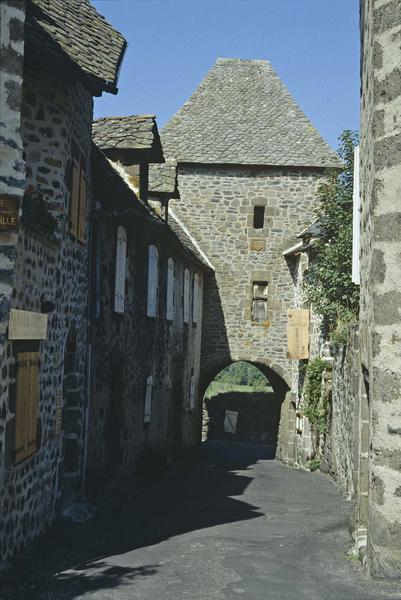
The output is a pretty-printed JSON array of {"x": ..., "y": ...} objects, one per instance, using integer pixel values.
[
  {"x": 26, "y": 409},
  {"x": 186, "y": 295},
  {"x": 153, "y": 281},
  {"x": 259, "y": 301},
  {"x": 147, "y": 414},
  {"x": 78, "y": 196},
  {"x": 170, "y": 289},
  {"x": 120, "y": 270}
]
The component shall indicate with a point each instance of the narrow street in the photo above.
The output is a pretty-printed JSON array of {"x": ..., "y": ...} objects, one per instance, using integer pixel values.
[{"x": 235, "y": 524}]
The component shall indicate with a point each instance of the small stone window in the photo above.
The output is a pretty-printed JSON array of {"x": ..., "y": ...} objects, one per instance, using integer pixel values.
[
  {"x": 259, "y": 301},
  {"x": 258, "y": 217}
]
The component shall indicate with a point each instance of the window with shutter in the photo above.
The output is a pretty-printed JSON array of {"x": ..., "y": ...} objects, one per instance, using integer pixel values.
[
  {"x": 120, "y": 270},
  {"x": 170, "y": 289},
  {"x": 153, "y": 280},
  {"x": 195, "y": 299},
  {"x": 147, "y": 414},
  {"x": 26, "y": 409},
  {"x": 186, "y": 295},
  {"x": 259, "y": 301}
]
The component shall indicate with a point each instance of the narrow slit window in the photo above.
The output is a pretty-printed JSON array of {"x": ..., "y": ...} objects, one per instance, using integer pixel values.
[{"x": 258, "y": 217}]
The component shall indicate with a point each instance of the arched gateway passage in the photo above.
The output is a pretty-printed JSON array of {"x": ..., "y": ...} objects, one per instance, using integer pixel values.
[{"x": 243, "y": 403}]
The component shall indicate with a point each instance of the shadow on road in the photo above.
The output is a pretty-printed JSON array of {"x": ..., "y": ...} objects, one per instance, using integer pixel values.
[{"x": 67, "y": 560}]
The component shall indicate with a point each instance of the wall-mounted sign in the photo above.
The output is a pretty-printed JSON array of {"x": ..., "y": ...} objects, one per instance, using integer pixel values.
[
  {"x": 26, "y": 325},
  {"x": 8, "y": 213},
  {"x": 298, "y": 333}
]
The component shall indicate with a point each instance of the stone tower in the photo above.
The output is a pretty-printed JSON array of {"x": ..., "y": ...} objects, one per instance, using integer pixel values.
[{"x": 249, "y": 164}]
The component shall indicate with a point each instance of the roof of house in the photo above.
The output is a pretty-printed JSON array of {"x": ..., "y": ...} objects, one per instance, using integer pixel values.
[
  {"x": 242, "y": 113},
  {"x": 315, "y": 229},
  {"x": 74, "y": 29},
  {"x": 110, "y": 177},
  {"x": 163, "y": 179},
  {"x": 133, "y": 133},
  {"x": 186, "y": 240}
]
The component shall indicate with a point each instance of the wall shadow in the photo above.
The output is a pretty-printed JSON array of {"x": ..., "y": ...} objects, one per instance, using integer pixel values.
[
  {"x": 243, "y": 416},
  {"x": 71, "y": 558}
]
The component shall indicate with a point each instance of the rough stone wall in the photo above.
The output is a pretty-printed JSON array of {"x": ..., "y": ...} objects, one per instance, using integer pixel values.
[
  {"x": 56, "y": 270},
  {"x": 12, "y": 168},
  {"x": 381, "y": 274},
  {"x": 127, "y": 348},
  {"x": 340, "y": 451},
  {"x": 217, "y": 206},
  {"x": 257, "y": 420},
  {"x": 296, "y": 445}
]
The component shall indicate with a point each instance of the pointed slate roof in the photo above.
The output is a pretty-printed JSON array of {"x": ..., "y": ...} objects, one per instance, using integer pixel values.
[{"x": 242, "y": 113}]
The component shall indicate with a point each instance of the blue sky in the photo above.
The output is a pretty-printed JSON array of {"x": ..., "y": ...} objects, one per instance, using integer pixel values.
[{"x": 172, "y": 44}]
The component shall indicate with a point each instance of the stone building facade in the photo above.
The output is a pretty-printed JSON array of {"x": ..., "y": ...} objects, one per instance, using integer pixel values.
[
  {"x": 362, "y": 448},
  {"x": 380, "y": 323},
  {"x": 247, "y": 175},
  {"x": 145, "y": 359},
  {"x": 44, "y": 286}
]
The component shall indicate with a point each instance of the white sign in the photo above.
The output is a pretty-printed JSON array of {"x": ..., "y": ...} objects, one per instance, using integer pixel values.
[
  {"x": 26, "y": 325},
  {"x": 230, "y": 421}
]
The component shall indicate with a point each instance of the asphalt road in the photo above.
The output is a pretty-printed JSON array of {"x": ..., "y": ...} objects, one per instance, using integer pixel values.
[{"x": 235, "y": 524}]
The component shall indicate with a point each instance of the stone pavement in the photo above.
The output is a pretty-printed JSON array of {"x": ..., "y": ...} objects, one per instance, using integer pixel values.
[{"x": 233, "y": 525}]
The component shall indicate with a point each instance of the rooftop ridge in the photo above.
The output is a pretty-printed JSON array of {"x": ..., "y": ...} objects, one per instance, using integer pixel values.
[{"x": 242, "y": 113}]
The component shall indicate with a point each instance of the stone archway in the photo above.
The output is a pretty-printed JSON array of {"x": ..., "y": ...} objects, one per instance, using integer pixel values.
[{"x": 251, "y": 415}]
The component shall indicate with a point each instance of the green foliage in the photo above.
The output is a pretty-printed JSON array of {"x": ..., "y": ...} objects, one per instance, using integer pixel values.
[
  {"x": 314, "y": 464},
  {"x": 242, "y": 373},
  {"x": 328, "y": 284},
  {"x": 316, "y": 403}
]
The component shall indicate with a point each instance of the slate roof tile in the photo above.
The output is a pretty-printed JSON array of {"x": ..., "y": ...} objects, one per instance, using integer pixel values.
[
  {"x": 242, "y": 113},
  {"x": 163, "y": 178},
  {"x": 74, "y": 29},
  {"x": 134, "y": 132}
]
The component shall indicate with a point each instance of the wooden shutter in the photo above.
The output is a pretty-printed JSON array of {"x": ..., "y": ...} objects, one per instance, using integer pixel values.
[
  {"x": 82, "y": 207},
  {"x": 153, "y": 277},
  {"x": 148, "y": 400},
  {"x": 74, "y": 198},
  {"x": 186, "y": 295},
  {"x": 120, "y": 270},
  {"x": 26, "y": 412},
  {"x": 170, "y": 289},
  {"x": 259, "y": 310},
  {"x": 195, "y": 299}
]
